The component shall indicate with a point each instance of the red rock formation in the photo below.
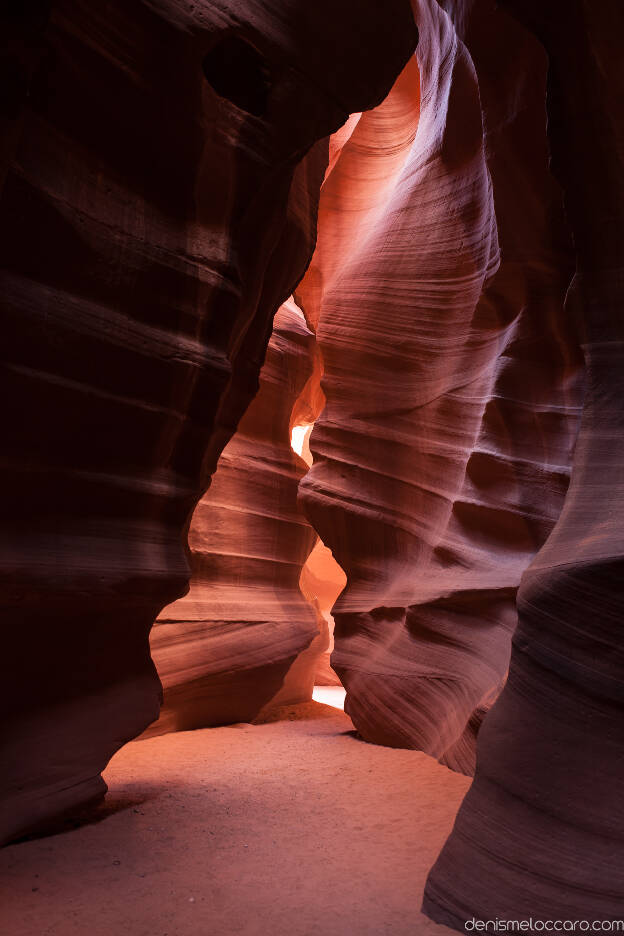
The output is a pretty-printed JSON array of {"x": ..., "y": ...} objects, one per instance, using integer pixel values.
[
  {"x": 322, "y": 580},
  {"x": 158, "y": 207},
  {"x": 442, "y": 457},
  {"x": 541, "y": 832},
  {"x": 223, "y": 650}
]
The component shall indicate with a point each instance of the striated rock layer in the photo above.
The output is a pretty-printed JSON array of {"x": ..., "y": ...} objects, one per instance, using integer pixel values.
[
  {"x": 322, "y": 579},
  {"x": 442, "y": 457},
  {"x": 158, "y": 205},
  {"x": 223, "y": 650},
  {"x": 541, "y": 832}
]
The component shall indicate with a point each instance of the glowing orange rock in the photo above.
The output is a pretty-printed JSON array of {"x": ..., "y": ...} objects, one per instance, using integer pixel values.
[
  {"x": 441, "y": 459},
  {"x": 222, "y": 652}
]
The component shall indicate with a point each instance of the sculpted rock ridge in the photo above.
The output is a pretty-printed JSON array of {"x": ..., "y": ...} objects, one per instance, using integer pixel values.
[
  {"x": 541, "y": 831},
  {"x": 160, "y": 173},
  {"x": 454, "y": 333},
  {"x": 441, "y": 459},
  {"x": 222, "y": 652}
]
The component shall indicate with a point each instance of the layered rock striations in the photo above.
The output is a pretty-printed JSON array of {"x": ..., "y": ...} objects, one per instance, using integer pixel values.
[
  {"x": 541, "y": 832},
  {"x": 442, "y": 457},
  {"x": 322, "y": 581},
  {"x": 223, "y": 650},
  {"x": 158, "y": 206}
]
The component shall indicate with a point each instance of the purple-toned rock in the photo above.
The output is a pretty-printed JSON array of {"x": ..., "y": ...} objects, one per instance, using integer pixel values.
[
  {"x": 541, "y": 831},
  {"x": 442, "y": 457}
]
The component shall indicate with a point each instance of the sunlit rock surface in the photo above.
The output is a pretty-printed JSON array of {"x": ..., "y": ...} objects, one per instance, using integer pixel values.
[
  {"x": 322, "y": 579},
  {"x": 441, "y": 459},
  {"x": 161, "y": 172},
  {"x": 541, "y": 832},
  {"x": 223, "y": 650}
]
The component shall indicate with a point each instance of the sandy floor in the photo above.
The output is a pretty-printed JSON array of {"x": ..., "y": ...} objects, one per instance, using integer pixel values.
[{"x": 291, "y": 828}]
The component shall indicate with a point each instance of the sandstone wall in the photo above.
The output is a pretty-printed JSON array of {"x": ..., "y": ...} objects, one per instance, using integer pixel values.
[
  {"x": 159, "y": 203},
  {"x": 442, "y": 457},
  {"x": 223, "y": 650},
  {"x": 541, "y": 831}
]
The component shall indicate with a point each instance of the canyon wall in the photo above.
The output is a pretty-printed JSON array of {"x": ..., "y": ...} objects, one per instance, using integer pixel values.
[
  {"x": 322, "y": 580},
  {"x": 541, "y": 831},
  {"x": 161, "y": 180},
  {"x": 160, "y": 172},
  {"x": 441, "y": 459},
  {"x": 223, "y": 650}
]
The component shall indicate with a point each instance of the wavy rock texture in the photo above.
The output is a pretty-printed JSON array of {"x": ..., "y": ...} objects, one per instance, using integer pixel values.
[
  {"x": 322, "y": 579},
  {"x": 541, "y": 832},
  {"x": 159, "y": 206},
  {"x": 223, "y": 650},
  {"x": 442, "y": 457}
]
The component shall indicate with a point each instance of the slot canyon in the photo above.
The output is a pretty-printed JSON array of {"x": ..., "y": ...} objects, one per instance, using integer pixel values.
[{"x": 312, "y": 467}]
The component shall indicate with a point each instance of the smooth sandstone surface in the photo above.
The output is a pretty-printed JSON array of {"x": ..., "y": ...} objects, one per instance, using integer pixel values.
[
  {"x": 160, "y": 170},
  {"x": 322, "y": 581},
  {"x": 541, "y": 831},
  {"x": 222, "y": 652},
  {"x": 160, "y": 186},
  {"x": 452, "y": 379}
]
